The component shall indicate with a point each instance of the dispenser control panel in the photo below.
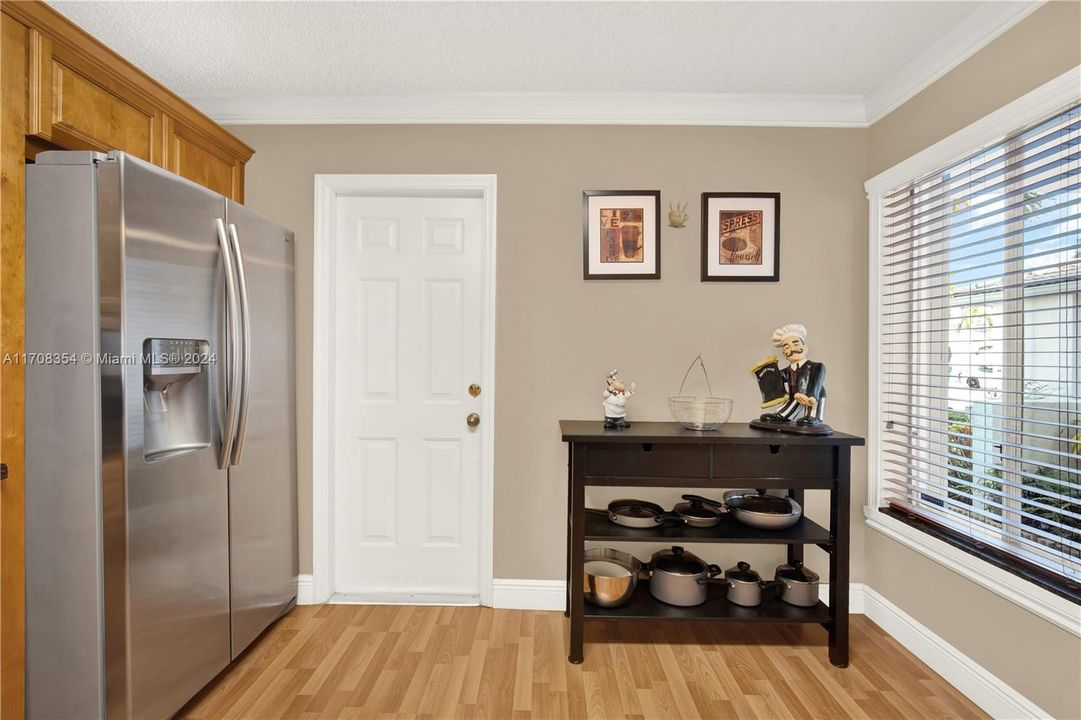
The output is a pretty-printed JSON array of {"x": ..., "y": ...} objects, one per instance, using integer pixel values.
[{"x": 173, "y": 356}]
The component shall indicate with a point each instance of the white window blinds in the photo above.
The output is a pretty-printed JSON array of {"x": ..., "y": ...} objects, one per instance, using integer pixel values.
[{"x": 980, "y": 390}]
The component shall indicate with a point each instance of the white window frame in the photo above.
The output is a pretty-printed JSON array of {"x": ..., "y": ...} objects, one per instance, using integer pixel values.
[{"x": 979, "y": 135}]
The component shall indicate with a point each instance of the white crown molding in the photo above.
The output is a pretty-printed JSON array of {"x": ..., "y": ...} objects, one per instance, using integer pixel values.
[
  {"x": 542, "y": 108},
  {"x": 979, "y": 685},
  {"x": 1059, "y": 92},
  {"x": 944, "y": 54}
]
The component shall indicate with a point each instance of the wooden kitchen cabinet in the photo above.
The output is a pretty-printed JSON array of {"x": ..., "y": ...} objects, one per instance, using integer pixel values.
[
  {"x": 191, "y": 154},
  {"x": 75, "y": 104},
  {"x": 63, "y": 90}
]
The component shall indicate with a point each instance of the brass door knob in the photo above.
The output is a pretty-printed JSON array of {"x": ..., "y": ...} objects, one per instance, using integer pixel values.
[{"x": 472, "y": 420}]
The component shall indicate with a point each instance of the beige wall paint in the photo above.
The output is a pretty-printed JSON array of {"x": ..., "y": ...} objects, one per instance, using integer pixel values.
[
  {"x": 1033, "y": 656},
  {"x": 1042, "y": 46},
  {"x": 557, "y": 335}
]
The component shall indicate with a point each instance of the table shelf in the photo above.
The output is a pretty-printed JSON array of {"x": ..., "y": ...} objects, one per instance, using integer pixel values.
[
  {"x": 643, "y": 606},
  {"x": 730, "y": 530}
]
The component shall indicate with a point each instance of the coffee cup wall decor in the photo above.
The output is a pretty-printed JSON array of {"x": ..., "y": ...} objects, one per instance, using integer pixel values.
[{"x": 741, "y": 237}]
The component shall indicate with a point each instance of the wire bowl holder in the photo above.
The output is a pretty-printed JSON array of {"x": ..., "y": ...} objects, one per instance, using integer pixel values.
[{"x": 700, "y": 413}]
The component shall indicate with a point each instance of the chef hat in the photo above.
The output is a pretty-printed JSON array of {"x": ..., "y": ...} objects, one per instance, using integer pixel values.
[{"x": 788, "y": 331}]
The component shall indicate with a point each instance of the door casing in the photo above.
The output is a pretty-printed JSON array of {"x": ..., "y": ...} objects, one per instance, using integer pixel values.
[{"x": 328, "y": 188}]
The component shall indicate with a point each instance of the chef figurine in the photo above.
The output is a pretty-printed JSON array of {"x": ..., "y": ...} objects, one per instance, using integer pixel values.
[
  {"x": 615, "y": 402},
  {"x": 800, "y": 408}
]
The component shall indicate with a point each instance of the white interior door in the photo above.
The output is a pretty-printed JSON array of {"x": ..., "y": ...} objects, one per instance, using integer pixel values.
[{"x": 408, "y": 321}]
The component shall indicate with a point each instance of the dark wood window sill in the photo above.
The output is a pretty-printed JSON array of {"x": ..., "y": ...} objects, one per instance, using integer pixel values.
[{"x": 1012, "y": 564}]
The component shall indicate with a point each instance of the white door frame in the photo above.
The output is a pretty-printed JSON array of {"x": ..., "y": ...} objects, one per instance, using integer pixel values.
[{"x": 328, "y": 188}]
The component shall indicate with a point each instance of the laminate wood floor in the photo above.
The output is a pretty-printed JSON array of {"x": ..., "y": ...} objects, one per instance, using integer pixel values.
[{"x": 382, "y": 662}]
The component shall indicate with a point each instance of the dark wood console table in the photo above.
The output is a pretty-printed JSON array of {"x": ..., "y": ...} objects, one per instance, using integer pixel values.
[{"x": 653, "y": 454}]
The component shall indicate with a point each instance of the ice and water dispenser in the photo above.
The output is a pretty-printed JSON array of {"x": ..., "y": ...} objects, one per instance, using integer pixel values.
[{"x": 176, "y": 397}]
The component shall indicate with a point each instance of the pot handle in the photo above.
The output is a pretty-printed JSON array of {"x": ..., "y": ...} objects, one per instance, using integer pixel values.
[
  {"x": 710, "y": 578},
  {"x": 667, "y": 517},
  {"x": 772, "y": 588},
  {"x": 704, "y": 500}
]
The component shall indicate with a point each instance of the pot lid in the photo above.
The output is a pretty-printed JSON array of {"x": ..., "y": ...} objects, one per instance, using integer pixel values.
[
  {"x": 628, "y": 507},
  {"x": 698, "y": 507},
  {"x": 678, "y": 562},
  {"x": 797, "y": 573},
  {"x": 742, "y": 572},
  {"x": 754, "y": 502}
]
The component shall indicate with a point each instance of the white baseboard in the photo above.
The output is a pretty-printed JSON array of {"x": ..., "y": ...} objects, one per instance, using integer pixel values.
[
  {"x": 995, "y": 697},
  {"x": 855, "y": 597},
  {"x": 305, "y": 595},
  {"x": 529, "y": 594}
]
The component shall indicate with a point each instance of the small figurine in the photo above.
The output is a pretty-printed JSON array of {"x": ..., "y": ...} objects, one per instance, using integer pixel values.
[
  {"x": 615, "y": 402},
  {"x": 677, "y": 216},
  {"x": 797, "y": 392}
]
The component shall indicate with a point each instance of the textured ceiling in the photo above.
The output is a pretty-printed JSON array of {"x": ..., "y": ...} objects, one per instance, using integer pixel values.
[{"x": 244, "y": 49}]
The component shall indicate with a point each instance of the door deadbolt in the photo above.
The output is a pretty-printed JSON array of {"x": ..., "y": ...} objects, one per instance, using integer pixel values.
[
  {"x": 472, "y": 419},
  {"x": 474, "y": 389}
]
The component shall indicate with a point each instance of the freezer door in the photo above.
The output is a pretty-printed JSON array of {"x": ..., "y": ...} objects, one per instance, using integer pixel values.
[
  {"x": 262, "y": 483},
  {"x": 175, "y": 498}
]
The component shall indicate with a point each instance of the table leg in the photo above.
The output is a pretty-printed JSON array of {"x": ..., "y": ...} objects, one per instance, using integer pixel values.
[
  {"x": 577, "y": 551},
  {"x": 570, "y": 514},
  {"x": 839, "y": 528},
  {"x": 795, "y": 551}
]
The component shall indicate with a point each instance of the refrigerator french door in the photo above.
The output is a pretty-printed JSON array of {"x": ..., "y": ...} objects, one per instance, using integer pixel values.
[
  {"x": 144, "y": 575},
  {"x": 262, "y": 487}
]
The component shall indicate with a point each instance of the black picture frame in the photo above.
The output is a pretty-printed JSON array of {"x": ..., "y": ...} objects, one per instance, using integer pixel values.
[
  {"x": 650, "y": 248},
  {"x": 720, "y": 264}
]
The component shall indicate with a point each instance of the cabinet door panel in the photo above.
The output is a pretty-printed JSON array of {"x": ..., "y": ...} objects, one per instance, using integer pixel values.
[
  {"x": 191, "y": 154},
  {"x": 76, "y": 105}
]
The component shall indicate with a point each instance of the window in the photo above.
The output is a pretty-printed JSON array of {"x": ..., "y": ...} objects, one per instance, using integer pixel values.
[{"x": 979, "y": 388}]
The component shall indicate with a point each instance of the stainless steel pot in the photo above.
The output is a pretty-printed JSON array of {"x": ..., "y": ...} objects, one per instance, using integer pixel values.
[
  {"x": 745, "y": 586},
  {"x": 799, "y": 584},
  {"x": 679, "y": 578},
  {"x": 611, "y": 576},
  {"x": 632, "y": 513},
  {"x": 759, "y": 510}
]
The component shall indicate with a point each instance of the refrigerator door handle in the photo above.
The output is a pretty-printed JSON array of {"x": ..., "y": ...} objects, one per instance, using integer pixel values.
[
  {"x": 245, "y": 353},
  {"x": 232, "y": 367}
]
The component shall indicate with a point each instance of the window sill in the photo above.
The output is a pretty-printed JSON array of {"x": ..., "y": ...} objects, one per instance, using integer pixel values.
[{"x": 1041, "y": 602}]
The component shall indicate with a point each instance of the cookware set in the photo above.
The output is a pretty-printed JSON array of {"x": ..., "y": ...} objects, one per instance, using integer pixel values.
[
  {"x": 751, "y": 507},
  {"x": 677, "y": 577}
]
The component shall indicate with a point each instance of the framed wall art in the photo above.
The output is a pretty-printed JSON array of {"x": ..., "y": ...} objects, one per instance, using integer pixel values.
[
  {"x": 621, "y": 232},
  {"x": 741, "y": 237}
]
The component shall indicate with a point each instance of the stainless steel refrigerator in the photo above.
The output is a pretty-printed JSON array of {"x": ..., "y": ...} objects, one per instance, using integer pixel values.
[{"x": 160, "y": 435}]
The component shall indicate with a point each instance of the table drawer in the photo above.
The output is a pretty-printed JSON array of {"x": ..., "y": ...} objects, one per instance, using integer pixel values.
[
  {"x": 648, "y": 460},
  {"x": 760, "y": 461}
]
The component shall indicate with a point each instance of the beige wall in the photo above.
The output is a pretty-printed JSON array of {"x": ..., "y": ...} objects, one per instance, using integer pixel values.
[
  {"x": 1035, "y": 657},
  {"x": 557, "y": 335},
  {"x": 1042, "y": 46}
]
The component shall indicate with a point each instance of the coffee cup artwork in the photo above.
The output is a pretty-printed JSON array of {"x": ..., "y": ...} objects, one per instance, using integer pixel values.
[{"x": 621, "y": 235}]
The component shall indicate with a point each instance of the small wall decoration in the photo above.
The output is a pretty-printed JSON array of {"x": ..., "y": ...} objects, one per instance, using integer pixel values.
[
  {"x": 620, "y": 234},
  {"x": 741, "y": 237}
]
